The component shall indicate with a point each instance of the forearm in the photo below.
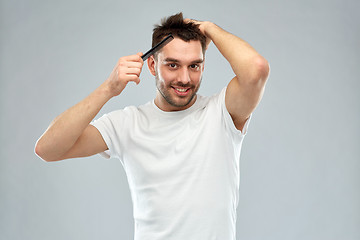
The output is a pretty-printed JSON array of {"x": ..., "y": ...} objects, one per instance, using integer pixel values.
[
  {"x": 70, "y": 126},
  {"x": 245, "y": 61},
  {"x": 64, "y": 131}
]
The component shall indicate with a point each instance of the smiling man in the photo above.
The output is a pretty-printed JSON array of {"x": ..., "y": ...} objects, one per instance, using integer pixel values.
[
  {"x": 178, "y": 72},
  {"x": 180, "y": 151}
]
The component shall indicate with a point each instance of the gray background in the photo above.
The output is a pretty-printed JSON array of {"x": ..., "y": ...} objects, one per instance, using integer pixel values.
[{"x": 300, "y": 160}]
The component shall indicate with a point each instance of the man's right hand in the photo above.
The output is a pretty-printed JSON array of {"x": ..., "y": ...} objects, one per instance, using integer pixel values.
[
  {"x": 71, "y": 135},
  {"x": 127, "y": 69}
]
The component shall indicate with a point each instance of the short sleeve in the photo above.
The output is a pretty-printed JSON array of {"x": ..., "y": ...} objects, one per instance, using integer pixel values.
[
  {"x": 108, "y": 129},
  {"x": 228, "y": 120}
]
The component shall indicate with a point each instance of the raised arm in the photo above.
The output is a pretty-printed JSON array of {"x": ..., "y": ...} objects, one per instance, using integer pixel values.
[
  {"x": 70, "y": 135},
  {"x": 245, "y": 90}
]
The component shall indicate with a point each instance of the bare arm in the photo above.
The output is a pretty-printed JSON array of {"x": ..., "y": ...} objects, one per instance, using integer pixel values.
[
  {"x": 70, "y": 134},
  {"x": 245, "y": 90}
]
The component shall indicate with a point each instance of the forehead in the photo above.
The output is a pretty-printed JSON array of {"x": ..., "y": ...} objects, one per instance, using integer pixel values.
[{"x": 181, "y": 51}]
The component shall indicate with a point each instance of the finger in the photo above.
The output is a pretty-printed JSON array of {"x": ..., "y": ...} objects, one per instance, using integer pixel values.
[
  {"x": 133, "y": 58},
  {"x": 124, "y": 65},
  {"x": 137, "y": 57},
  {"x": 136, "y": 71},
  {"x": 130, "y": 64},
  {"x": 187, "y": 20},
  {"x": 134, "y": 78}
]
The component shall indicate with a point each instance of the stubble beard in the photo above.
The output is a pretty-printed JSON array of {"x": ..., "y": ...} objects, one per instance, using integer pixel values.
[{"x": 164, "y": 90}]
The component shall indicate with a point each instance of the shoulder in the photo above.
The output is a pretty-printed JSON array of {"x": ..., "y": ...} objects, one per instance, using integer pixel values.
[
  {"x": 120, "y": 117},
  {"x": 129, "y": 111},
  {"x": 208, "y": 107},
  {"x": 217, "y": 99}
]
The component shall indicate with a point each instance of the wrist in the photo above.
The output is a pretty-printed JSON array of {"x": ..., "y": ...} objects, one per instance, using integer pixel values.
[
  {"x": 209, "y": 28},
  {"x": 104, "y": 91}
]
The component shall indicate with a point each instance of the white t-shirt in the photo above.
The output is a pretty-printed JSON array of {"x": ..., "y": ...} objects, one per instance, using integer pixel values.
[{"x": 182, "y": 168}]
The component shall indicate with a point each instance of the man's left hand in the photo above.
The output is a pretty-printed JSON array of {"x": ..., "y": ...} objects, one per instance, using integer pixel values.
[{"x": 203, "y": 26}]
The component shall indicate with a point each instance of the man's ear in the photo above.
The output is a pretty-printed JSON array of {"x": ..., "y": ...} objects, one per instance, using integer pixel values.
[{"x": 151, "y": 64}]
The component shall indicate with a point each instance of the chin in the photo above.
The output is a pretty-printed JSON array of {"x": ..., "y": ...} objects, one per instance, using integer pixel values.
[{"x": 183, "y": 102}]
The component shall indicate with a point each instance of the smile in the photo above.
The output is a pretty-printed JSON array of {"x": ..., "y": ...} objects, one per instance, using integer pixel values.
[{"x": 181, "y": 91}]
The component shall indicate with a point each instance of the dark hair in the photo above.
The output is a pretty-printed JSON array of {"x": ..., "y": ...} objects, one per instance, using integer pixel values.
[{"x": 178, "y": 28}]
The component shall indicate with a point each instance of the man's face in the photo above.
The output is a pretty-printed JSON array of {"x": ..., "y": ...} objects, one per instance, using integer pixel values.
[{"x": 178, "y": 71}]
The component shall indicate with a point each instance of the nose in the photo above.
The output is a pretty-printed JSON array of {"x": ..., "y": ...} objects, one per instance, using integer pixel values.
[{"x": 184, "y": 76}]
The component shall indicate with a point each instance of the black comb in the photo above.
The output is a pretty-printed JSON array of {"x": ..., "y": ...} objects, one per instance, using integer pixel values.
[{"x": 157, "y": 47}]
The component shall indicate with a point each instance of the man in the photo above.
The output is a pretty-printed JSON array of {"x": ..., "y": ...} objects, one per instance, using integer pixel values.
[{"x": 180, "y": 151}]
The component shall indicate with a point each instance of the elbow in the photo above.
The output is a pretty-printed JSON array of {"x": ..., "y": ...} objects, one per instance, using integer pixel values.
[
  {"x": 260, "y": 72},
  {"x": 41, "y": 152},
  {"x": 263, "y": 68}
]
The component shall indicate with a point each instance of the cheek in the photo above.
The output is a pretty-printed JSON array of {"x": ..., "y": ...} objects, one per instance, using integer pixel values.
[
  {"x": 196, "y": 76},
  {"x": 166, "y": 76},
  {"x": 159, "y": 75}
]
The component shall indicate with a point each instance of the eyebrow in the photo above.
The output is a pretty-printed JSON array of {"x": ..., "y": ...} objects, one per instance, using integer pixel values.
[{"x": 174, "y": 60}]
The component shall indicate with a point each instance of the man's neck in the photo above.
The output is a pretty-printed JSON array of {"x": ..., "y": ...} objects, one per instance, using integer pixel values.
[{"x": 165, "y": 106}]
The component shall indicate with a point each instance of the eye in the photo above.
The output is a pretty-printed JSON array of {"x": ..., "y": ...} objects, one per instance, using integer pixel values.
[
  {"x": 172, "y": 65},
  {"x": 194, "y": 66}
]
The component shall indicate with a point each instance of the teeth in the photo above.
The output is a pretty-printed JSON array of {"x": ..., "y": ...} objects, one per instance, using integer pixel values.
[{"x": 181, "y": 89}]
